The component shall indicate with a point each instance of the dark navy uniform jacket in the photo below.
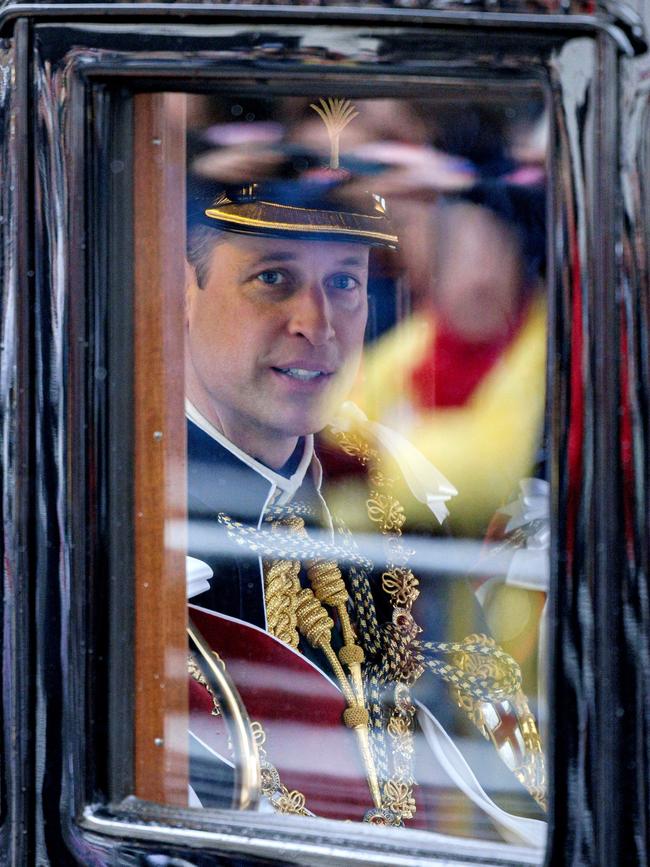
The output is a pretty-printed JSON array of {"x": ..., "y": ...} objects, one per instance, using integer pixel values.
[{"x": 221, "y": 480}]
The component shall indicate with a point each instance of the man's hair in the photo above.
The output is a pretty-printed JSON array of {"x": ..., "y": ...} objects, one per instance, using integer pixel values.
[{"x": 200, "y": 244}]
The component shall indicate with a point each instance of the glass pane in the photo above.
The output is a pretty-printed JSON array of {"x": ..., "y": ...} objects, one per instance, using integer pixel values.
[{"x": 367, "y": 502}]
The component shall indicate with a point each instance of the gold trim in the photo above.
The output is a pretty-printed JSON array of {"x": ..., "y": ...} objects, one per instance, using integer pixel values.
[
  {"x": 313, "y": 210},
  {"x": 214, "y": 213}
]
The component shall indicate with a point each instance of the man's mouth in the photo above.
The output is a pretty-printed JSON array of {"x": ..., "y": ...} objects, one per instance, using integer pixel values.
[{"x": 301, "y": 374}]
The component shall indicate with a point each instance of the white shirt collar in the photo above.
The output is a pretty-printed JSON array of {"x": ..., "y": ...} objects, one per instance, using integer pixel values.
[{"x": 287, "y": 486}]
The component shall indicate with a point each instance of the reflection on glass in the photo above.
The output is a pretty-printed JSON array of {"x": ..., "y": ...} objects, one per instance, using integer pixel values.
[{"x": 367, "y": 503}]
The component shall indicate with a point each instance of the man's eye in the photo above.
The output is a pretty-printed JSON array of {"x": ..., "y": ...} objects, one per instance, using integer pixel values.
[
  {"x": 271, "y": 278},
  {"x": 345, "y": 282}
]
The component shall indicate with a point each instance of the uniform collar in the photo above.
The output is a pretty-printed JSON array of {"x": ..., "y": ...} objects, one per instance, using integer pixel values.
[{"x": 285, "y": 487}]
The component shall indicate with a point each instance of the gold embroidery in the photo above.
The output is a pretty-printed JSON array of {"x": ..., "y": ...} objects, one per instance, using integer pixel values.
[
  {"x": 387, "y": 512},
  {"x": 398, "y": 797},
  {"x": 401, "y": 585}
]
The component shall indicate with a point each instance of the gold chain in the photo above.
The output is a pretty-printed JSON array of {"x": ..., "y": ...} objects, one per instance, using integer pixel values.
[
  {"x": 401, "y": 586},
  {"x": 292, "y": 610},
  {"x": 282, "y": 800},
  {"x": 492, "y": 666},
  {"x": 280, "y": 797}
]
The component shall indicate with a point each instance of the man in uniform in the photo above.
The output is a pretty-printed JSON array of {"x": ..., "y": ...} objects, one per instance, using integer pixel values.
[{"x": 322, "y": 644}]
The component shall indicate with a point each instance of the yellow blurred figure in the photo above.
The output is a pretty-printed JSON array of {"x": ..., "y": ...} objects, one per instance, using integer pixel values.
[{"x": 463, "y": 378}]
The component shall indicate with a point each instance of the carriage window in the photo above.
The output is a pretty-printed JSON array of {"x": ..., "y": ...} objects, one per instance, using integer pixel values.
[{"x": 341, "y": 493}]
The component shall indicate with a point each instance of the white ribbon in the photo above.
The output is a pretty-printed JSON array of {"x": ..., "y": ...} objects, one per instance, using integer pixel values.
[
  {"x": 426, "y": 482},
  {"x": 197, "y": 574},
  {"x": 516, "y": 830}
]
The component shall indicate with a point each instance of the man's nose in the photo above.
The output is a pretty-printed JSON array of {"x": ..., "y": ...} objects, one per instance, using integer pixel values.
[{"x": 311, "y": 315}]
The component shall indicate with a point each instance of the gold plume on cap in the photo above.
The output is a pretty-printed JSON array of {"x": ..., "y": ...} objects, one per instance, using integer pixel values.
[{"x": 336, "y": 114}]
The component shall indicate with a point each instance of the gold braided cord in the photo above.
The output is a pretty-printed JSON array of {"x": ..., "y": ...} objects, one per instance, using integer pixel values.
[
  {"x": 355, "y": 716},
  {"x": 313, "y": 620},
  {"x": 327, "y": 582},
  {"x": 281, "y": 586},
  {"x": 316, "y": 625},
  {"x": 329, "y": 587}
]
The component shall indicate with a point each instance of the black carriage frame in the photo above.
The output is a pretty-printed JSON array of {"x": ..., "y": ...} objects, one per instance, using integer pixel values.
[{"x": 65, "y": 409}]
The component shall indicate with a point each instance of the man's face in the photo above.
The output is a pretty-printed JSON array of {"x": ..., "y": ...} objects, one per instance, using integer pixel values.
[{"x": 275, "y": 335}]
